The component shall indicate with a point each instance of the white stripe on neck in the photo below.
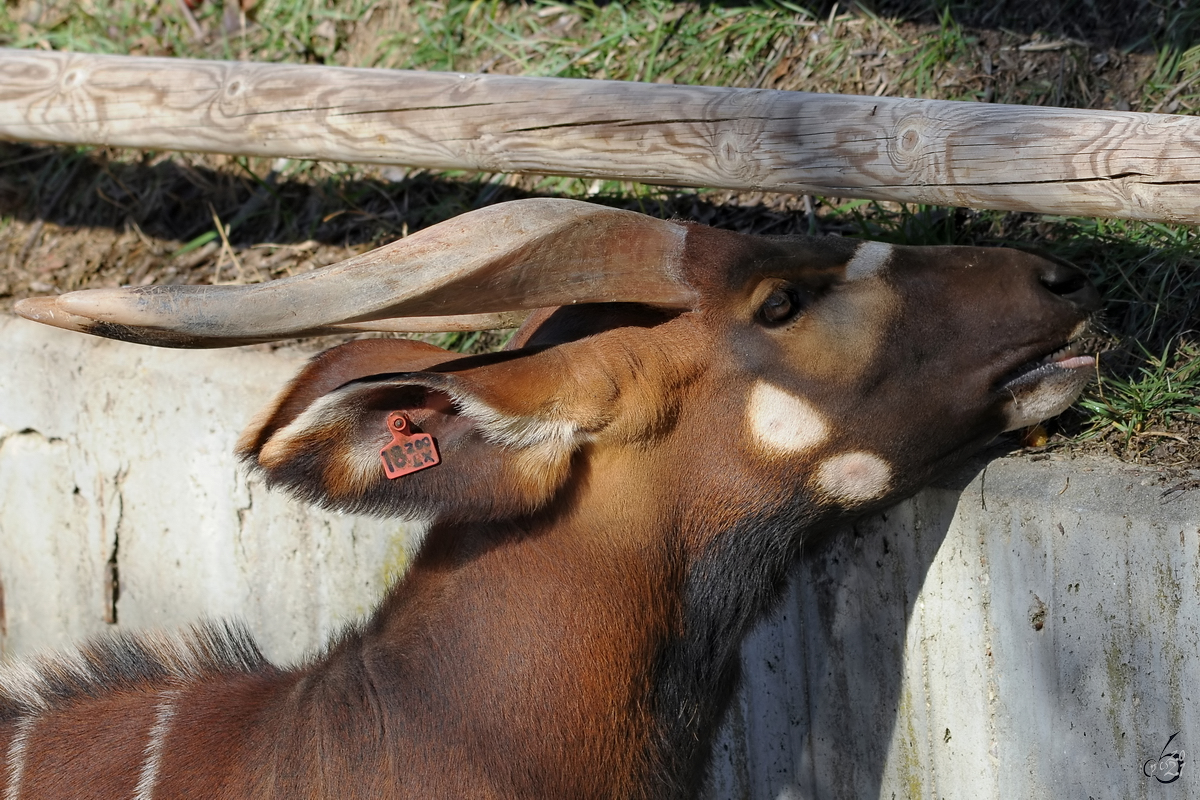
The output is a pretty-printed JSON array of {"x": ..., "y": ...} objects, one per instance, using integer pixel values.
[
  {"x": 16, "y": 757},
  {"x": 164, "y": 714}
]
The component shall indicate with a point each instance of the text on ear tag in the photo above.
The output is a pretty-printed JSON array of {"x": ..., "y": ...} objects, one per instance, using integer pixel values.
[{"x": 407, "y": 452}]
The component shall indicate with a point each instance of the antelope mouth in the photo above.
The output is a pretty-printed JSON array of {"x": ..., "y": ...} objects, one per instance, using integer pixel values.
[
  {"x": 1063, "y": 362},
  {"x": 1045, "y": 387}
]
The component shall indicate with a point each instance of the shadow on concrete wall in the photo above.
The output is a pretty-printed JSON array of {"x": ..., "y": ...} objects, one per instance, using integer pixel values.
[{"x": 822, "y": 713}]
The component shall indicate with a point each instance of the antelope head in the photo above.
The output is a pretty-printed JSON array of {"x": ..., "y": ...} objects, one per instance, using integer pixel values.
[{"x": 737, "y": 375}]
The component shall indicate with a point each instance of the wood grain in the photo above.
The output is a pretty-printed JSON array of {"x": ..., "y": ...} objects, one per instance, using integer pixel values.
[{"x": 1051, "y": 160}]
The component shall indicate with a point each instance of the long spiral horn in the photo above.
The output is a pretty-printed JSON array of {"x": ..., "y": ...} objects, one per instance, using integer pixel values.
[{"x": 477, "y": 271}]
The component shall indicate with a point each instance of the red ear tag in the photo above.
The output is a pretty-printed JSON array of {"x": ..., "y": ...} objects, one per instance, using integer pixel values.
[{"x": 407, "y": 452}]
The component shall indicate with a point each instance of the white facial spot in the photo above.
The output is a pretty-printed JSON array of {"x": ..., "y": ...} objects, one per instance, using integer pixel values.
[
  {"x": 869, "y": 258},
  {"x": 783, "y": 422},
  {"x": 854, "y": 477}
]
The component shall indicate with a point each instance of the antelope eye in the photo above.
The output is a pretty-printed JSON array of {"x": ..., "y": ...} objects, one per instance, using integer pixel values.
[{"x": 781, "y": 305}]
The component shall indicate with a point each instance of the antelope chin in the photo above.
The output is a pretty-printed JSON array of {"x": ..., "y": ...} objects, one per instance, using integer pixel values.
[{"x": 1046, "y": 387}]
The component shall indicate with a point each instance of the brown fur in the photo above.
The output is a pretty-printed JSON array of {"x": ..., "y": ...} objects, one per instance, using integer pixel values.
[{"x": 605, "y": 529}]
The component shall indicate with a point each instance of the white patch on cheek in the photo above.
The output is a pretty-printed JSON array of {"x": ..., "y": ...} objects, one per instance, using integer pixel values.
[
  {"x": 854, "y": 477},
  {"x": 869, "y": 258},
  {"x": 783, "y": 422}
]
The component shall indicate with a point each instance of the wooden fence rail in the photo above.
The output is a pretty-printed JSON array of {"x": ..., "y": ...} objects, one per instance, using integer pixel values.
[{"x": 1021, "y": 158}]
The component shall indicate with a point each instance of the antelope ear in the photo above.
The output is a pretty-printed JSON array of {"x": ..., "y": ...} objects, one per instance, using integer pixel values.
[{"x": 504, "y": 433}]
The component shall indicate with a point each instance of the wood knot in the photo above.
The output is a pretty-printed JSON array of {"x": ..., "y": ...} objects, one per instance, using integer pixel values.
[{"x": 905, "y": 148}]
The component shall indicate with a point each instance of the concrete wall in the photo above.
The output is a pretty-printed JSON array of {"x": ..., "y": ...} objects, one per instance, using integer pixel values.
[
  {"x": 1034, "y": 633},
  {"x": 1026, "y": 631},
  {"x": 109, "y": 448}
]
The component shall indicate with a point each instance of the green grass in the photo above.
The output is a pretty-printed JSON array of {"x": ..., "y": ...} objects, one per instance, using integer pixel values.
[
  {"x": 932, "y": 52},
  {"x": 1165, "y": 390},
  {"x": 1029, "y": 52}
]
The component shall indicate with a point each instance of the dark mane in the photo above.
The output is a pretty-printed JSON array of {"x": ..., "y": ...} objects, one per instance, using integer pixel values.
[{"x": 129, "y": 661}]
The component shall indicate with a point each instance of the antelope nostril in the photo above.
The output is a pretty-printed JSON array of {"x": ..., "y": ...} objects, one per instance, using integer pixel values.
[
  {"x": 1064, "y": 283},
  {"x": 1071, "y": 285}
]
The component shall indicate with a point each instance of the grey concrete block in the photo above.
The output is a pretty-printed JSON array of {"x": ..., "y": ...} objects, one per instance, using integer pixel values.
[
  {"x": 115, "y": 451},
  {"x": 1032, "y": 634}
]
